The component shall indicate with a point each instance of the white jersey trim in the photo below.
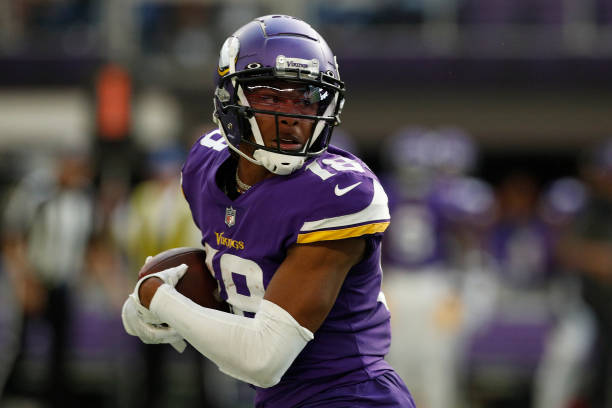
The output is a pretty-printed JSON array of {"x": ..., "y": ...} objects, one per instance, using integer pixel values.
[{"x": 377, "y": 210}]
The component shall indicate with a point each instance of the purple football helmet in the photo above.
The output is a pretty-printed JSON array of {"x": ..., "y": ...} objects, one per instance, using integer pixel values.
[
  {"x": 445, "y": 151},
  {"x": 267, "y": 50},
  {"x": 563, "y": 199}
]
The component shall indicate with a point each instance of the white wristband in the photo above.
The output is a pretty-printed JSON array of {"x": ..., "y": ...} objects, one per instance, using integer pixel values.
[{"x": 258, "y": 351}]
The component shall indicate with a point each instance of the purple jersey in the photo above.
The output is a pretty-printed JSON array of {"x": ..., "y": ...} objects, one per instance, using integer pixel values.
[
  {"x": 333, "y": 196},
  {"x": 524, "y": 251},
  {"x": 415, "y": 239},
  {"x": 424, "y": 223}
]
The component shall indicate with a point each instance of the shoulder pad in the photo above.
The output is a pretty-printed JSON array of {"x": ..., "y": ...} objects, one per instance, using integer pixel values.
[{"x": 347, "y": 200}]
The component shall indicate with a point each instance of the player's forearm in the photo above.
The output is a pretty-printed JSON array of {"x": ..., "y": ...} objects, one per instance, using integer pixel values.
[{"x": 257, "y": 350}]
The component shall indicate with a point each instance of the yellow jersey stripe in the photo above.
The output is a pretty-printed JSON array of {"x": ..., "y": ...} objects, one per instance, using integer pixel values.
[
  {"x": 377, "y": 210},
  {"x": 342, "y": 233}
]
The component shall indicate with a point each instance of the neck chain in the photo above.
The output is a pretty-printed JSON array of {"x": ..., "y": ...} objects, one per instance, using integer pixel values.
[{"x": 242, "y": 186}]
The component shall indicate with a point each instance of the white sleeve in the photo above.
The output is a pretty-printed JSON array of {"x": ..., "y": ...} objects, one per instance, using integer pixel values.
[{"x": 258, "y": 350}]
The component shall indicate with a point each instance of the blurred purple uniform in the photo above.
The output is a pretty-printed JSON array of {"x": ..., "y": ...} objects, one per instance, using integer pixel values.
[
  {"x": 423, "y": 225},
  {"x": 415, "y": 240},
  {"x": 333, "y": 196}
]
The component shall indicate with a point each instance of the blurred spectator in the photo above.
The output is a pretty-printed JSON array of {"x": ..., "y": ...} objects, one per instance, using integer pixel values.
[
  {"x": 587, "y": 250},
  {"x": 10, "y": 326},
  {"x": 36, "y": 187},
  {"x": 100, "y": 357},
  {"x": 521, "y": 241},
  {"x": 111, "y": 208},
  {"x": 179, "y": 30},
  {"x": 53, "y": 27},
  {"x": 104, "y": 273},
  {"x": 49, "y": 265},
  {"x": 364, "y": 12},
  {"x": 22, "y": 294},
  {"x": 152, "y": 205}
]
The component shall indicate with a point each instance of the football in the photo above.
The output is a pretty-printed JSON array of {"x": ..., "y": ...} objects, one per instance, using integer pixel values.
[{"x": 197, "y": 284}]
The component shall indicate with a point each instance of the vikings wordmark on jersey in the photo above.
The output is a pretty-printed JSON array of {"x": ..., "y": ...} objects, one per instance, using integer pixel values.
[{"x": 333, "y": 196}]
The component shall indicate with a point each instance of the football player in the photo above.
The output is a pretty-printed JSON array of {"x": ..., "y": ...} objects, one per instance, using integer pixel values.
[
  {"x": 437, "y": 213},
  {"x": 292, "y": 229}
]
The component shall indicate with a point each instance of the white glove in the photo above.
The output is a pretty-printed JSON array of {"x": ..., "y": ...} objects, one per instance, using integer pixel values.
[
  {"x": 149, "y": 333},
  {"x": 140, "y": 321}
]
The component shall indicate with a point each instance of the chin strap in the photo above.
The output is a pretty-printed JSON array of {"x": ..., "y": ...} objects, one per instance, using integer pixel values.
[{"x": 278, "y": 163}]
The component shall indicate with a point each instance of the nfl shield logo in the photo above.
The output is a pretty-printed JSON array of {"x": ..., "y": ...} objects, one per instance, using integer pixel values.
[{"x": 230, "y": 216}]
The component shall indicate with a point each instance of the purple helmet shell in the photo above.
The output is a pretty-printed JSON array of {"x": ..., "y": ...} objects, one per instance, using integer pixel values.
[
  {"x": 265, "y": 38},
  {"x": 563, "y": 200}
]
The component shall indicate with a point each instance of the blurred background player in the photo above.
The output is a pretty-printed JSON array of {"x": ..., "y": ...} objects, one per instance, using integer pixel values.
[
  {"x": 434, "y": 205},
  {"x": 521, "y": 247},
  {"x": 559, "y": 379},
  {"x": 586, "y": 250}
]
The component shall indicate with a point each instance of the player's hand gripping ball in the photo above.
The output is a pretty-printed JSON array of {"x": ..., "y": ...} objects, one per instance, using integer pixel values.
[{"x": 198, "y": 284}]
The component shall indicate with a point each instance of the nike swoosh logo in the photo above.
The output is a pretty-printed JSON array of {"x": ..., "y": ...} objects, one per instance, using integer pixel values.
[{"x": 342, "y": 191}]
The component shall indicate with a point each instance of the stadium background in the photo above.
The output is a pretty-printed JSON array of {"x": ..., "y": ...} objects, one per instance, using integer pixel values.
[{"x": 127, "y": 86}]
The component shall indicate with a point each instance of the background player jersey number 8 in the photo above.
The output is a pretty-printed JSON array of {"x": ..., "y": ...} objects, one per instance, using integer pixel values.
[{"x": 244, "y": 289}]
